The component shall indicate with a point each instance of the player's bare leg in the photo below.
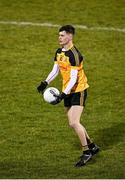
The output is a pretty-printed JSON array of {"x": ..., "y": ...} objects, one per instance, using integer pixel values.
[{"x": 74, "y": 115}]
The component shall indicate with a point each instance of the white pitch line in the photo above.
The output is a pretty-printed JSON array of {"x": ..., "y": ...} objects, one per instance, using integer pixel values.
[{"x": 57, "y": 25}]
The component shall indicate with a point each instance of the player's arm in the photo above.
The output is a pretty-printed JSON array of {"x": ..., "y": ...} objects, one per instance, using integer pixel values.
[
  {"x": 52, "y": 75},
  {"x": 73, "y": 79}
]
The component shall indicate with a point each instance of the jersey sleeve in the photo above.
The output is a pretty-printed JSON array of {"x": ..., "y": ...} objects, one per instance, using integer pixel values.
[
  {"x": 57, "y": 51},
  {"x": 55, "y": 58},
  {"x": 75, "y": 57}
]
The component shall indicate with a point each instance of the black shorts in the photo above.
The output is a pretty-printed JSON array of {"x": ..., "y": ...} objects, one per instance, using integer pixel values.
[{"x": 77, "y": 98}]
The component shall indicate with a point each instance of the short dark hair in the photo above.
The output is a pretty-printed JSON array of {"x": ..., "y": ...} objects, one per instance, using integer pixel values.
[{"x": 68, "y": 29}]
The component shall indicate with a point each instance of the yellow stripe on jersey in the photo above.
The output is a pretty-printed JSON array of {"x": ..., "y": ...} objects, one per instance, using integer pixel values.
[
  {"x": 75, "y": 53},
  {"x": 81, "y": 98}
]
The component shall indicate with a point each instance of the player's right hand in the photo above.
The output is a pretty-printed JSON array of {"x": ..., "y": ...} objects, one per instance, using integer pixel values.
[{"x": 42, "y": 86}]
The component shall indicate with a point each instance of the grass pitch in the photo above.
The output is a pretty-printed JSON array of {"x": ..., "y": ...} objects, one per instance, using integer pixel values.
[{"x": 35, "y": 140}]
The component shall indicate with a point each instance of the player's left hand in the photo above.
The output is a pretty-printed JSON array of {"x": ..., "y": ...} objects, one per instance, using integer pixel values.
[
  {"x": 42, "y": 86},
  {"x": 59, "y": 98}
]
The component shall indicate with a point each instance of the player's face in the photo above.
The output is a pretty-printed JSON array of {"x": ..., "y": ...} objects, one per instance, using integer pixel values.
[{"x": 64, "y": 38}]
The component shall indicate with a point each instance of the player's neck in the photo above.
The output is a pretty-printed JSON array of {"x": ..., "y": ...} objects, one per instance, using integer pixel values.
[{"x": 68, "y": 46}]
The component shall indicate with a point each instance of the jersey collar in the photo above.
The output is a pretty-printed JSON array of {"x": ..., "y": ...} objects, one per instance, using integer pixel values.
[{"x": 63, "y": 49}]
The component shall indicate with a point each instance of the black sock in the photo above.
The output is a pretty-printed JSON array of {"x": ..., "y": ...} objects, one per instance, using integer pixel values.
[
  {"x": 91, "y": 145},
  {"x": 89, "y": 141}
]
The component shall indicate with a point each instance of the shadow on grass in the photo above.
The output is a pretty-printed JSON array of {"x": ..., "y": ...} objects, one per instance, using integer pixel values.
[
  {"x": 105, "y": 138},
  {"x": 111, "y": 136}
]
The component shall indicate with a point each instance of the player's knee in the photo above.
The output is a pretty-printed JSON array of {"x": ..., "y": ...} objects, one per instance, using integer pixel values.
[{"x": 73, "y": 124}]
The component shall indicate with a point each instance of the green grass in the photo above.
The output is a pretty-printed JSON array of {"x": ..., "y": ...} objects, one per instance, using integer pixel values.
[
  {"x": 35, "y": 140},
  {"x": 105, "y": 13}
]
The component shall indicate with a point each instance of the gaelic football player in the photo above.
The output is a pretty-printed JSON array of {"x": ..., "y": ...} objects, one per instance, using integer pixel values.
[{"x": 69, "y": 62}]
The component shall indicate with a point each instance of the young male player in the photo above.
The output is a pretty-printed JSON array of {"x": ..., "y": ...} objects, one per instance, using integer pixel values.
[{"x": 69, "y": 62}]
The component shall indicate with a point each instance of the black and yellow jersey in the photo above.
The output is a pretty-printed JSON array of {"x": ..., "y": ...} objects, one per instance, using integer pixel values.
[{"x": 71, "y": 59}]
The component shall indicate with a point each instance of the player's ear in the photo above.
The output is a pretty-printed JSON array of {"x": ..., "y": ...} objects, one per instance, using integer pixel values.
[{"x": 70, "y": 36}]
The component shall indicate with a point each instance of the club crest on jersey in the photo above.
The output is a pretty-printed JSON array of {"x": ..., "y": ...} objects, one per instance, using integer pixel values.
[{"x": 61, "y": 57}]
